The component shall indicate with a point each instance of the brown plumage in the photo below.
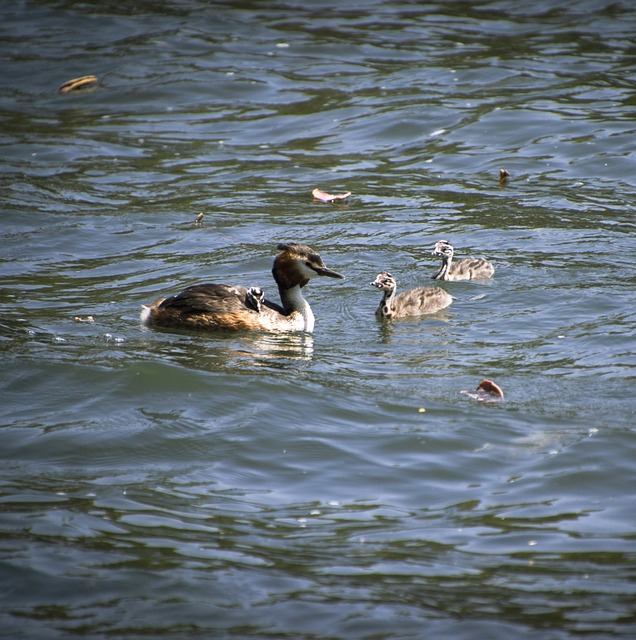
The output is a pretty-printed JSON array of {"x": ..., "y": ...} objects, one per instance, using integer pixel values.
[
  {"x": 222, "y": 306},
  {"x": 466, "y": 269},
  {"x": 416, "y": 302}
]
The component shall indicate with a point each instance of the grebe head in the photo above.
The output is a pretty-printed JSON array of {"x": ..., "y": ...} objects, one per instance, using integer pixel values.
[
  {"x": 297, "y": 263},
  {"x": 443, "y": 249},
  {"x": 385, "y": 282}
]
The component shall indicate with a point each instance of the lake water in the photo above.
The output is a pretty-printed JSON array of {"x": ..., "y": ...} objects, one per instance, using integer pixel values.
[{"x": 180, "y": 485}]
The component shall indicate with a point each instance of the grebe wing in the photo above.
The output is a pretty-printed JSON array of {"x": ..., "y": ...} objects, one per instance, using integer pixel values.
[
  {"x": 423, "y": 300},
  {"x": 469, "y": 268},
  {"x": 207, "y": 297}
]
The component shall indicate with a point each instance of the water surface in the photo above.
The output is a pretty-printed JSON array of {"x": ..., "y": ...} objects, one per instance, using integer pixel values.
[{"x": 339, "y": 485}]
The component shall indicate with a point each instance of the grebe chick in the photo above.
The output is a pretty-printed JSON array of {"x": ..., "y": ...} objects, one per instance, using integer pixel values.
[
  {"x": 416, "y": 302},
  {"x": 254, "y": 298},
  {"x": 221, "y": 306},
  {"x": 466, "y": 269}
]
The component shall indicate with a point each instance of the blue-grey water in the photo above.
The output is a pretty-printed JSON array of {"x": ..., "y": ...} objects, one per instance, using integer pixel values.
[{"x": 169, "y": 484}]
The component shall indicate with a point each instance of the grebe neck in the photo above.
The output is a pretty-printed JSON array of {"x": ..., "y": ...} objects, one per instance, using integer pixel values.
[
  {"x": 291, "y": 276},
  {"x": 444, "y": 270},
  {"x": 385, "y": 310},
  {"x": 294, "y": 302}
]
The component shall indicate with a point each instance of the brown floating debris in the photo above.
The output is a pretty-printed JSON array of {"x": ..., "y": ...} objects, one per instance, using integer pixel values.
[
  {"x": 491, "y": 387},
  {"x": 77, "y": 84},
  {"x": 323, "y": 196},
  {"x": 487, "y": 391},
  {"x": 199, "y": 218},
  {"x": 503, "y": 176}
]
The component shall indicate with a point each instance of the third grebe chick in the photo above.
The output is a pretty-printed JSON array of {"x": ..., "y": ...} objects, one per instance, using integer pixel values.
[
  {"x": 221, "y": 306},
  {"x": 416, "y": 302},
  {"x": 466, "y": 269}
]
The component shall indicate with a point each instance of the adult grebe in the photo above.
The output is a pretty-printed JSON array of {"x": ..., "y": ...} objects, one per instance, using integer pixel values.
[
  {"x": 415, "y": 302},
  {"x": 466, "y": 269},
  {"x": 221, "y": 306}
]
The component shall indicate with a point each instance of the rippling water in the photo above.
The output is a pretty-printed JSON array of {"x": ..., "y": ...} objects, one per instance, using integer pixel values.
[{"x": 339, "y": 485}]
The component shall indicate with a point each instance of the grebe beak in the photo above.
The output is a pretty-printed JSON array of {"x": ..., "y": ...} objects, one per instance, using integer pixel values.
[{"x": 323, "y": 271}]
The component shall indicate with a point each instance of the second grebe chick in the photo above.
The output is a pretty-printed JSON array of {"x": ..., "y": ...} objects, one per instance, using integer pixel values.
[
  {"x": 222, "y": 306},
  {"x": 416, "y": 302},
  {"x": 466, "y": 269}
]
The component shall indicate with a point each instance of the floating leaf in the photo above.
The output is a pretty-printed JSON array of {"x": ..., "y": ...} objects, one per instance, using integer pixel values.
[
  {"x": 76, "y": 84},
  {"x": 487, "y": 391},
  {"x": 323, "y": 196}
]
